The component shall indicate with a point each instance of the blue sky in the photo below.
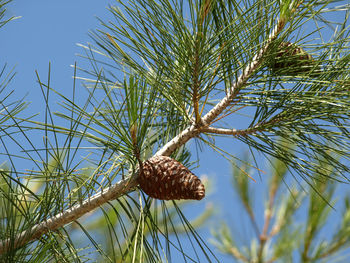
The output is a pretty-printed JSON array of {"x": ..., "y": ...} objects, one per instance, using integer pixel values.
[{"x": 48, "y": 31}]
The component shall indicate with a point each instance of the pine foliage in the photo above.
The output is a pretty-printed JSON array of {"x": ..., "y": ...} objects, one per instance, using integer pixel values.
[
  {"x": 162, "y": 73},
  {"x": 297, "y": 225}
]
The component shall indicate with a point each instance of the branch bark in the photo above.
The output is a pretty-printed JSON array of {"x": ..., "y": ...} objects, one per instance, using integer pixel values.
[
  {"x": 259, "y": 127},
  {"x": 126, "y": 185},
  {"x": 233, "y": 132},
  {"x": 70, "y": 215}
]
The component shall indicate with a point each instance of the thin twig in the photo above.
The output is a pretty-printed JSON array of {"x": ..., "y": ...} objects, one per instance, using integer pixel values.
[
  {"x": 242, "y": 132},
  {"x": 267, "y": 221},
  {"x": 252, "y": 219}
]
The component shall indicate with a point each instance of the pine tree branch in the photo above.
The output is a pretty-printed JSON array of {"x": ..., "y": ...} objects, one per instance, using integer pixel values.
[
  {"x": 126, "y": 185},
  {"x": 70, "y": 215},
  {"x": 243, "y": 78}
]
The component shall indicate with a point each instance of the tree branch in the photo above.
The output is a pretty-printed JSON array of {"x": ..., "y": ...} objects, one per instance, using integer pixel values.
[
  {"x": 242, "y": 132},
  {"x": 233, "y": 132},
  {"x": 243, "y": 78},
  {"x": 70, "y": 215},
  {"x": 126, "y": 185}
]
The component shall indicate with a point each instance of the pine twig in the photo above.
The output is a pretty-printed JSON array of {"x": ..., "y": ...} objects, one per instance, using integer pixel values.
[
  {"x": 242, "y": 132},
  {"x": 268, "y": 217}
]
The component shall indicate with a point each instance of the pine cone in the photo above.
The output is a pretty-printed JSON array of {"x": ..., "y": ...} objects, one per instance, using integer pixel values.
[
  {"x": 164, "y": 178},
  {"x": 291, "y": 59}
]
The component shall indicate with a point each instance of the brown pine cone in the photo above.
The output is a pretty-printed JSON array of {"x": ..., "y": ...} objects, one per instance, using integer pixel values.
[
  {"x": 291, "y": 59},
  {"x": 164, "y": 178}
]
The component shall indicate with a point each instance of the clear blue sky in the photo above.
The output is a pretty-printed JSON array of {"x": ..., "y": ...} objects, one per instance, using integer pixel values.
[{"x": 48, "y": 31}]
